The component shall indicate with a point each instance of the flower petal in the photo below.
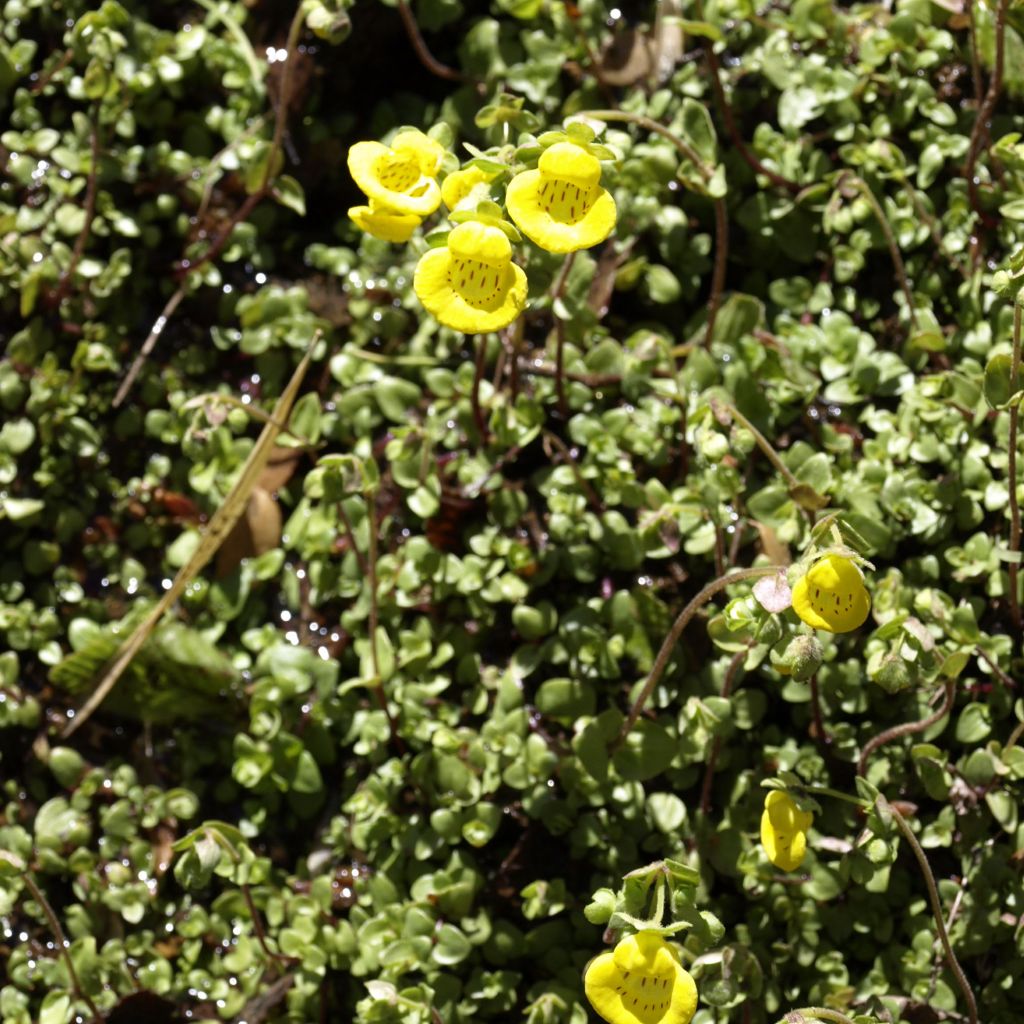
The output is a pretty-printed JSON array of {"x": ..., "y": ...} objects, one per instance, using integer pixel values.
[
  {"x": 641, "y": 982},
  {"x": 385, "y": 224},
  {"x": 435, "y": 284},
  {"x": 569, "y": 162},
  {"x": 363, "y": 158},
  {"x": 524, "y": 203},
  {"x": 427, "y": 152},
  {"x": 458, "y": 185},
  {"x": 481, "y": 242},
  {"x": 832, "y": 595}
]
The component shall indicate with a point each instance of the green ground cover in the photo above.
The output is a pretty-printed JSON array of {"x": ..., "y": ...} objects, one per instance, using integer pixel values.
[{"x": 361, "y": 659}]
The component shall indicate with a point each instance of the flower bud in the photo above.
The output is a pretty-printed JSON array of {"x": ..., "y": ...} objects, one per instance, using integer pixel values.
[{"x": 803, "y": 657}]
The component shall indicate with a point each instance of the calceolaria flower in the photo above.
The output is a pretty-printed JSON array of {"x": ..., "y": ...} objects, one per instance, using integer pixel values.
[
  {"x": 383, "y": 223},
  {"x": 832, "y": 595},
  {"x": 402, "y": 177},
  {"x": 561, "y": 205},
  {"x": 457, "y": 185},
  {"x": 471, "y": 284},
  {"x": 784, "y": 830},
  {"x": 641, "y": 981}
]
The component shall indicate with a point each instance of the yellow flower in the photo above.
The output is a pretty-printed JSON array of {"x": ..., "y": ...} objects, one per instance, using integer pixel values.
[
  {"x": 400, "y": 177},
  {"x": 832, "y": 595},
  {"x": 471, "y": 284},
  {"x": 459, "y": 184},
  {"x": 784, "y": 830},
  {"x": 641, "y": 982},
  {"x": 561, "y": 205},
  {"x": 383, "y": 223}
]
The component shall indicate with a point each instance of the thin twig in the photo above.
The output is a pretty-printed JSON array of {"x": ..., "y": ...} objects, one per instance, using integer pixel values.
[
  {"x": 718, "y": 271},
  {"x": 908, "y": 728},
  {"x": 351, "y": 536},
  {"x": 261, "y": 934},
  {"x": 44, "y": 79},
  {"x": 552, "y": 439},
  {"x": 779, "y": 180},
  {"x": 709, "y": 771},
  {"x": 721, "y": 210},
  {"x": 890, "y": 239},
  {"x": 66, "y": 278},
  {"x": 762, "y": 442},
  {"x": 682, "y": 621},
  {"x": 147, "y": 346},
  {"x": 1013, "y": 567},
  {"x": 427, "y": 59},
  {"x": 985, "y": 111},
  {"x": 62, "y": 943},
  {"x": 933, "y": 897},
  {"x": 186, "y": 267}
]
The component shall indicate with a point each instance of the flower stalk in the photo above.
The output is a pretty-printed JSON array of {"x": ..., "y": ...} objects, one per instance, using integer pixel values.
[
  {"x": 672, "y": 638},
  {"x": 936, "y": 905}
]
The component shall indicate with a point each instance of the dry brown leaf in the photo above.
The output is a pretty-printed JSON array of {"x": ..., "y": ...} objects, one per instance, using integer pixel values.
[{"x": 259, "y": 530}]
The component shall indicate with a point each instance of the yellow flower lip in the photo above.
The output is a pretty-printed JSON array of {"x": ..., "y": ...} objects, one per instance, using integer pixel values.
[
  {"x": 471, "y": 284},
  {"x": 383, "y": 223},
  {"x": 832, "y": 595},
  {"x": 784, "y": 830},
  {"x": 561, "y": 206},
  {"x": 400, "y": 177},
  {"x": 641, "y": 982}
]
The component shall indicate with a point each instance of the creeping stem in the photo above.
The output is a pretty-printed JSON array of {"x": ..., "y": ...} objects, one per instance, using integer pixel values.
[
  {"x": 907, "y": 728},
  {"x": 672, "y": 638},
  {"x": 988, "y": 105},
  {"x": 1013, "y": 566},
  {"x": 933, "y": 898},
  {"x": 865, "y": 190},
  {"x": 721, "y": 211},
  {"x": 62, "y": 943}
]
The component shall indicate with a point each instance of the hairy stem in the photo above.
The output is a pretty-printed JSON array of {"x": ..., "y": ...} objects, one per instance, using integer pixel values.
[
  {"x": 62, "y": 943},
  {"x": 672, "y": 638},
  {"x": 933, "y": 898},
  {"x": 907, "y": 728}
]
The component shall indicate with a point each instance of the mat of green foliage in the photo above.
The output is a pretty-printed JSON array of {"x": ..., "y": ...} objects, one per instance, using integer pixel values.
[{"x": 372, "y": 766}]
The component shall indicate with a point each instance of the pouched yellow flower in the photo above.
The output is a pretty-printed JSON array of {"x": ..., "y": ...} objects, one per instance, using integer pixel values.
[
  {"x": 471, "y": 284},
  {"x": 561, "y": 205},
  {"x": 641, "y": 981},
  {"x": 784, "y": 830},
  {"x": 400, "y": 177},
  {"x": 384, "y": 223},
  {"x": 459, "y": 184},
  {"x": 832, "y": 595}
]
